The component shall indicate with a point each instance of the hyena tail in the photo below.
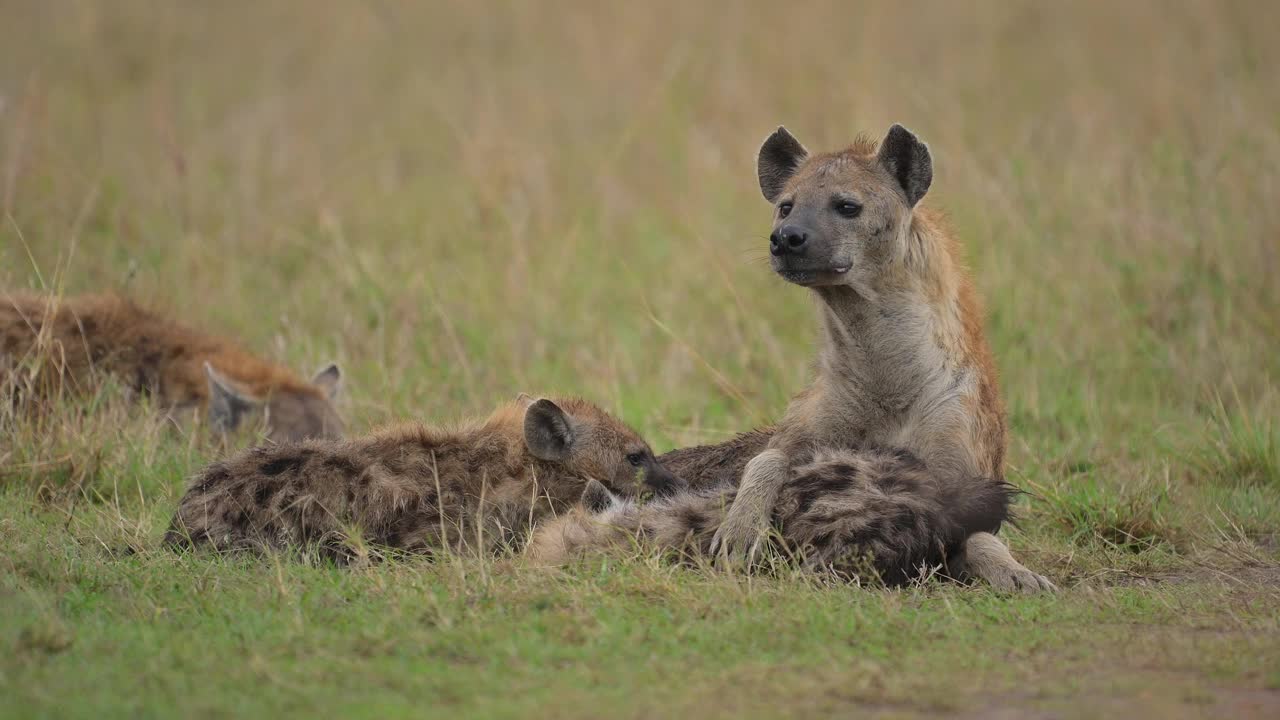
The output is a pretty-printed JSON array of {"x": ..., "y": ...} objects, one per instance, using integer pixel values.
[
  {"x": 883, "y": 513},
  {"x": 978, "y": 504}
]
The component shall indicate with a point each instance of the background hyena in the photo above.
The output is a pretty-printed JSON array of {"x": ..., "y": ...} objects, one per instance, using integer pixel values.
[
  {"x": 874, "y": 514},
  {"x": 415, "y": 488},
  {"x": 72, "y": 343},
  {"x": 903, "y": 363}
]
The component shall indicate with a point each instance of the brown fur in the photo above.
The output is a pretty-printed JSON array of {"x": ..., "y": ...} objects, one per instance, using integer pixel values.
[
  {"x": 76, "y": 342},
  {"x": 411, "y": 487},
  {"x": 868, "y": 514},
  {"x": 721, "y": 464},
  {"x": 903, "y": 363}
]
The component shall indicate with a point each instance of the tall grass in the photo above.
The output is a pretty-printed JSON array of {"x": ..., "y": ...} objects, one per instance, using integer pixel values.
[{"x": 462, "y": 201}]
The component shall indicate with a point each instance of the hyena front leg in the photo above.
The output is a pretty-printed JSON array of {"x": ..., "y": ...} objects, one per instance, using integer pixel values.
[
  {"x": 985, "y": 556},
  {"x": 745, "y": 524}
]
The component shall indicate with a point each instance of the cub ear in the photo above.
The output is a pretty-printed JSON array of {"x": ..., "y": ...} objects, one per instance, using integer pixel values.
[
  {"x": 329, "y": 380},
  {"x": 524, "y": 400},
  {"x": 596, "y": 497},
  {"x": 907, "y": 160},
  {"x": 547, "y": 431},
  {"x": 227, "y": 405},
  {"x": 780, "y": 156}
]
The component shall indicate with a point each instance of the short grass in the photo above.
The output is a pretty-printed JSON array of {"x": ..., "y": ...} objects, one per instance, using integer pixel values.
[{"x": 462, "y": 201}]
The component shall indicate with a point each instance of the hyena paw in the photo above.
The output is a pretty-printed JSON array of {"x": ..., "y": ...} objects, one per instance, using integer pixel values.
[
  {"x": 735, "y": 544},
  {"x": 1019, "y": 579}
]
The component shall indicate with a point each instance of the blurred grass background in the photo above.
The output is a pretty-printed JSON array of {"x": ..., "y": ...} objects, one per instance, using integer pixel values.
[{"x": 462, "y": 201}]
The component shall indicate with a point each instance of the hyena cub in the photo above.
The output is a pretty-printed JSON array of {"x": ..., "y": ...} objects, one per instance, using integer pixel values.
[
  {"x": 874, "y": 514},
  {"x": 415, "y": 488},
  {"x": 51, "y": 344}
]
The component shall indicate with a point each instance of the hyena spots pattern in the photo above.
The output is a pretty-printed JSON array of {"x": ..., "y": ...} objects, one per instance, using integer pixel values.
[
  {"x": 415, "y": 488},
  {"x": 870, "y": 514}
]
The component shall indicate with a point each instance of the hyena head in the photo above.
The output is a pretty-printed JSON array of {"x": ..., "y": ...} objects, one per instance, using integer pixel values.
[
  {"x": 593, "y": 445},
  {"x": 842, "y": 218},
  {"x": 288, "y": 413}
]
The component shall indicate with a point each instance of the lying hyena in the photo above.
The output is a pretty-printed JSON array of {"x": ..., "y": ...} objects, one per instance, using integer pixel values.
[
  {"x": 904, "y": 362},
  {"x": 416, "y": 488},
  {"x": 872, "y": 514},
  {"x": 73, "y": 342}
]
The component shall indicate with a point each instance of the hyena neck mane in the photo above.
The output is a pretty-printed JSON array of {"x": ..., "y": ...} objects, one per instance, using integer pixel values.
[{"x": 905, "y": 343}]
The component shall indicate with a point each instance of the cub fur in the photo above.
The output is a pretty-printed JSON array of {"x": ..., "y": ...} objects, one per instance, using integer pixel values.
[
  {"x": 873, "y": 514},
  {"x": 480, "y": 487}
]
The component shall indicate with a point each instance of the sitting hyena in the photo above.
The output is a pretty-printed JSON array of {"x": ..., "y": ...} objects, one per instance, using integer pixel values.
[
  {"x": 49, "y": 344},
  {"x": 873, "y": 514},
  {"x": 415, "y": 488},
  {"x": 903, "y": 364}
]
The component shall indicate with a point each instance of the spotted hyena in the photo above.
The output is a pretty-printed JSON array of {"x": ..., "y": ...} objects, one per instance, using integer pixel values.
[
  {"x": 480, "y": 487},
  {"x": 51, "y": 344},
  {"x": 903, "y": 361},
  {"x": 872, "y": 514}
]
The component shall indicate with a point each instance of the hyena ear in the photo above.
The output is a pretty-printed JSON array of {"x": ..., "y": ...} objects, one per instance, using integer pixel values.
[
  {"x": 329, "y": 380},
  {"x": 907, "y": 159},
  {"x": 596, "y": 497},
  {"x": 780, "y": 156},
  {"x": 547, "y": 431},
  {"x": 227, "y": 405},
  {"x": 524, "y": 400}
]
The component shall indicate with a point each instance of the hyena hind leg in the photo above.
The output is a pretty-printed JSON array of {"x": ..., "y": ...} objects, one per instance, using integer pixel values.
[{"x": 985, "y": 556}]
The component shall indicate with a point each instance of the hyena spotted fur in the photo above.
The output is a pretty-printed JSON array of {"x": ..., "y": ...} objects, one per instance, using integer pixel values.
[
  {"x": 874, "y": 514},
  {"x": 480, "y": 487},
  {"x": 904, "y": 362},
  {"x": 51, "y": 344}
]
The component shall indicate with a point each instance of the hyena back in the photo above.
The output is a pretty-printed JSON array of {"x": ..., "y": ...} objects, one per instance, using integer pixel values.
[
  {"x": 417, "y": 488},
  {"x": 77, "y": 341}
]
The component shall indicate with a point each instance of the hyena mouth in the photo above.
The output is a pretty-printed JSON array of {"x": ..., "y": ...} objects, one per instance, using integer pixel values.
[{"x": 812, "y": 276}]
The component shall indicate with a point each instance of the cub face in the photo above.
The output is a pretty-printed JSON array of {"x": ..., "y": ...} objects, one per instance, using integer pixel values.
[
  {"x": 594, "y": 445},
  {"x": 288, "y": 414},
  {"x": 841, "y": 218}
]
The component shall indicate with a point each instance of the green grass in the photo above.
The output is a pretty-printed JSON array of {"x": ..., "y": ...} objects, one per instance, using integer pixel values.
[{"x": 462, "y": 202}]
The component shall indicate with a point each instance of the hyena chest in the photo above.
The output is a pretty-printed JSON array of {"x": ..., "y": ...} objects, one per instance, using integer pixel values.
[{"x": 931, "y": 420}]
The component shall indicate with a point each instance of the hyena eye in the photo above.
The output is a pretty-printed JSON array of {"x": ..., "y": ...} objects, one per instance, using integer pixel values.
[
  {"x": 784, "y": 209},
  {"x": 848, "y": 208},
  {"x": 635, "y": 458}
]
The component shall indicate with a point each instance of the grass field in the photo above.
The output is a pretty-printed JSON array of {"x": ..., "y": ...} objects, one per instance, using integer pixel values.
[{"x": 462, "y": 201}]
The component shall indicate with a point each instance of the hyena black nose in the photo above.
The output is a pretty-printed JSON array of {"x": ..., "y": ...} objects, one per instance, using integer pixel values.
[{"x": 786, "y": 240}]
